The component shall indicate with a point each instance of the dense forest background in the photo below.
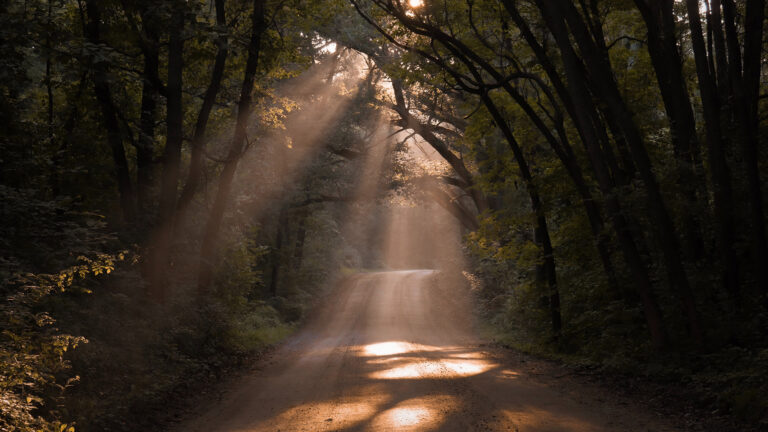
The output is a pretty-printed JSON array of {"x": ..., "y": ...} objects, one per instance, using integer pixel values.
[{"x": 183, "y": 180}]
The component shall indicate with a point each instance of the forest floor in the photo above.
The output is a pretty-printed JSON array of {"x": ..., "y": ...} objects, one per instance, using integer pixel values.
[{"x": 396, "y": 351}]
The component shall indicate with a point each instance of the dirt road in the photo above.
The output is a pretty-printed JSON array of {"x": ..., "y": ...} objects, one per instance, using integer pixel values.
[{"x": 395, "y": 351}]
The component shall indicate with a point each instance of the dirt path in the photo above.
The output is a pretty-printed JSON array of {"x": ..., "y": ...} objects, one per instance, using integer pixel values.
[{"x": 395, "y": 351}]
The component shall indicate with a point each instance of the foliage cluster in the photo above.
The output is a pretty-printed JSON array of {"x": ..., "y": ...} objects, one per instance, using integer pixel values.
[
  {"x": 178, "y": 131},
  {"x": 607, "y": 162}
]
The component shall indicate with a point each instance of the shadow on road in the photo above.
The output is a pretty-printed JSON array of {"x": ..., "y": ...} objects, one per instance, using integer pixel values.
[{"x": 395, "y": 351}]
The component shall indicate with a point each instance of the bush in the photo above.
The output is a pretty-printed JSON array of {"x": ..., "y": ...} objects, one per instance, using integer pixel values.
[{"x": 33, "y": 370}]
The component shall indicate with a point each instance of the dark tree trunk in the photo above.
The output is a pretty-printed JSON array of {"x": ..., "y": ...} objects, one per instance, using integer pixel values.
[
  {"x": 145, "y": 148},
  {"x": 718, "y": 166},
  {"x": 747, "y": 96},
  {"x": 161, "y": 248},
  {"x": 212, "y": 227},
  {"x": 667, "y": 63},
  {"x": 564, "y": 152},
  {"x": 174, "y": 118},
  {"x": 602, "y": 83},
  {"x": 715, "y": 24},
  {"x": 744, "y": 80},
  {"x": 541, "y": 236},
  {"x": 585, "y": 115},
  {"x": 301, "y": 235},
  {"x": 196, "y": 162},
  {"x": 54, "y": 178},
  {"x": 591, "y": 209},
  {"x": 277, "y": 254},
  {"x": 109, "y": 116},
  {"x": 66, "y": 132}
]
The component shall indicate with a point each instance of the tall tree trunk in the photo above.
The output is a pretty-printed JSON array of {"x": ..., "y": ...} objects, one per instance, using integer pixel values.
[
  {"x": 109, "y": 116},
  {"x": 301, "y": 235},
  {"x": 715, "y": 24},
  {"x": 602, "y": 83},
  {"x": 277, "y": 254},
  {"x": 160, "y": 255},
  {"x": 212, "y": 227},
  {"x": 541, "y": 231},
  {"x": 562, "y": 148},
  {"x": 54, "y": 178},
  {"x": 590, "y": 207},
  {"x": 718, "y": 166},
  {"x": 145, "y": 148},
  {"x": 66, "y": 131},
  {"x": 667, "y": 63},
  {"x": 196, "y": 162},
  {"x": 747, "y": 97},
  {"x": 584, "y": 117}
]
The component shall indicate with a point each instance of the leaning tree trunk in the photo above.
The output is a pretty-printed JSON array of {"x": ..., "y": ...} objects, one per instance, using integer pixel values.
[
  {"x": 541, "y": 231},
  {"x": 668, "y": 66},
  {"x": 409, "y": 121},
  {"x": 565, "y": 154},
  {"x": 604, "y": 87},
  {"x": 212, "y": 227},
  {"x": 196, "y": 162},
  {"x": 585, "y": 118}
]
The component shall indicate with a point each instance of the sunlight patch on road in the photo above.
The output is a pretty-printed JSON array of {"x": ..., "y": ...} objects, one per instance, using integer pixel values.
[
  {"x": 387, "y": 348},
  {"x": 407, "y": 361},
  {"x": 408, "y": 416},
  {"x": 422, "y": 414},
  {"x": 390, "y": 348},
  {"x": 326, "y": 415},
  {"x": 411, "y": 370},
  {"x": 509, "y": 374},
  {"x": 468, "y": 355},
  {"x": 387, "y": 361},
  {"x": 427, "y": 368},
  {"x": 466, "y": 367}
]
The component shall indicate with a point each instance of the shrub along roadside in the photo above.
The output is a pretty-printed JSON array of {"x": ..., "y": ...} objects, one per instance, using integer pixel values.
[
  {"x": 133, "y": 357},
  {"x": 35, "y": 372},
  {"x": 727, "y": 386},
  {"x": 143, "y": 358}
]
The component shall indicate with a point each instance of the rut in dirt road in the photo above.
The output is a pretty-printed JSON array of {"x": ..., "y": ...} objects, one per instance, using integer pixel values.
[{"x": 394, "y": 351}]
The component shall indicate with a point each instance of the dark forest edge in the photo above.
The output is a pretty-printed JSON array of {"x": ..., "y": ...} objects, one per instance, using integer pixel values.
[{"x": 178, "y": 177}]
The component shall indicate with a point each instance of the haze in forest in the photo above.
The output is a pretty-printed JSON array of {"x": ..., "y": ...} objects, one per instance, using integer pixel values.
[{"x": 383, "y": 214}]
